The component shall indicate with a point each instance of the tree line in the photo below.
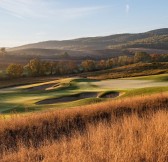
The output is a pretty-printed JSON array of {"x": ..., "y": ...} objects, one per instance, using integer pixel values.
[{"x": 37, "y": 67}]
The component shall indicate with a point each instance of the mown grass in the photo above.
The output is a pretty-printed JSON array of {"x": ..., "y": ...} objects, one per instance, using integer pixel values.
[
  {"x": 73, "y": 104},
  {"x": 25, "y": 98},
  {"x": 144, "y": 91},
  {"x": 158, "y": 78},
  {"x": 130, "y": 129}
]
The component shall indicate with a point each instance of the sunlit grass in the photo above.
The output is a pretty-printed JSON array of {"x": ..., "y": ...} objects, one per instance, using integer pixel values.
[
  {"x": 130, "y": 129},
  {"x": 25, "y": 98}
]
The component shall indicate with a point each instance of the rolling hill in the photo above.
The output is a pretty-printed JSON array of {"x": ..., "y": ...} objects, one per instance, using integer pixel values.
[
  {"x": 97, "y": 47},
  {"x": 97, "y": 43}
]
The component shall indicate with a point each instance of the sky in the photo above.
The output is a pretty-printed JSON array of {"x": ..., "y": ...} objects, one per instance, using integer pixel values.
[{"x": 29, "y": 21}]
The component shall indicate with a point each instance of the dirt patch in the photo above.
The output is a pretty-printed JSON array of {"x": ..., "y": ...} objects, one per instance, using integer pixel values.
[{"x": 68, "y": 98}]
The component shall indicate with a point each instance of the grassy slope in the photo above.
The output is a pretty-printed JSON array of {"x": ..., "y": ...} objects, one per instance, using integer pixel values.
[
  {"x": 132, "y": 129},
  {"x": 145, "y": 91}
]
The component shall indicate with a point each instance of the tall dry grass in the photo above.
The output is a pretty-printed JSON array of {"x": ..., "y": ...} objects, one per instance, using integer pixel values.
[{"x": 121, "y": 131}]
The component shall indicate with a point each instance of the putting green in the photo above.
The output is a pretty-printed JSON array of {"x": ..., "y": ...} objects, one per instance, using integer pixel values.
[{"x": 73, "y": 92}]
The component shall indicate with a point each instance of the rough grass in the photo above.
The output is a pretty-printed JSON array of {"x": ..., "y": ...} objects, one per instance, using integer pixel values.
[
  {"x": 23, "y": 81},
  {"x": 133, "y": 70},
  {"x": 132, "y": 129}
]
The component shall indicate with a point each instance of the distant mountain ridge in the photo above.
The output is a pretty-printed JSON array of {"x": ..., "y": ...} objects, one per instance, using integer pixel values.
[{"x": 157, "y": 39}]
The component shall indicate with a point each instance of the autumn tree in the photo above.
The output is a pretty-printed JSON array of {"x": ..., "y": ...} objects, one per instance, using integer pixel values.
[
  {"x": 122, "y": 60},
  {"x": 102, "y": 64},
  {"x": 142, "y": 57},
  {"x": 62, "y": 67},
  {"x": 3, "y": 52},
  {"x": 109, "y": 63},
  {"x": 72, "y": 66},
  {"x": 155, "y": 58},
  {"x": 55, "y": 69},
  {"x": 15, "y": 70},
  {"x": 125, "y": 60},
  {"x": 46, "y": 67},
  {"x": 88, "y": 65},
  {"x": 163, "y": 58},
  {"x": 34, "y": 67},
  {"x": 115, "y": 61}
]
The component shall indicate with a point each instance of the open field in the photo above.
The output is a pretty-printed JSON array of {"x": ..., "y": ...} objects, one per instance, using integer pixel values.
[
  {"x": 130, "y": 129},
  {"x": 71, "y": 92}
]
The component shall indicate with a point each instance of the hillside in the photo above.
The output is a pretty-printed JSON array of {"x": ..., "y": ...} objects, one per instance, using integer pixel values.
[
  {"x": 155, "y": 41},
  {"x": 138, "y": 69},
  {"x": 59, "y": 53},
  {"x": 97, "y": 43}
]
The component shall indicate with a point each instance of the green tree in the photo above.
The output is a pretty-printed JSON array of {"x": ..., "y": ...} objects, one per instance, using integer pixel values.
[
  {"x": 15, "y": 70},
  {"x": 65, "y": 55}
]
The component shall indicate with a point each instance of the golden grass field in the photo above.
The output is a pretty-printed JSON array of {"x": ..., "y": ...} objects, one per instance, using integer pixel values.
[{"x": 123, "y": 130}]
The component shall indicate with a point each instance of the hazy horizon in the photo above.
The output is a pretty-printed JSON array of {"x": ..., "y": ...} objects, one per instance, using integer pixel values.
[
  {"x": 26, "y": 22},
  {"x": 78, "y": 38}
]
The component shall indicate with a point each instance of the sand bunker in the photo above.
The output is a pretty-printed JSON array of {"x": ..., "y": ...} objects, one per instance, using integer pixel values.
[
  {"x": 111, "y": 95},
  {"x": 68, "y": 98},
  {"x": 40, "y": 88}
]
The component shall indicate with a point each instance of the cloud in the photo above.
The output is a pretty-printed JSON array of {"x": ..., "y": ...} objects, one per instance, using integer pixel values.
[
  {"x": 127, "y": 8},
  {"x": 20, "y": 8},
  {"x": 43, "y": 9},
  {"x": 77, "y": 12}
]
